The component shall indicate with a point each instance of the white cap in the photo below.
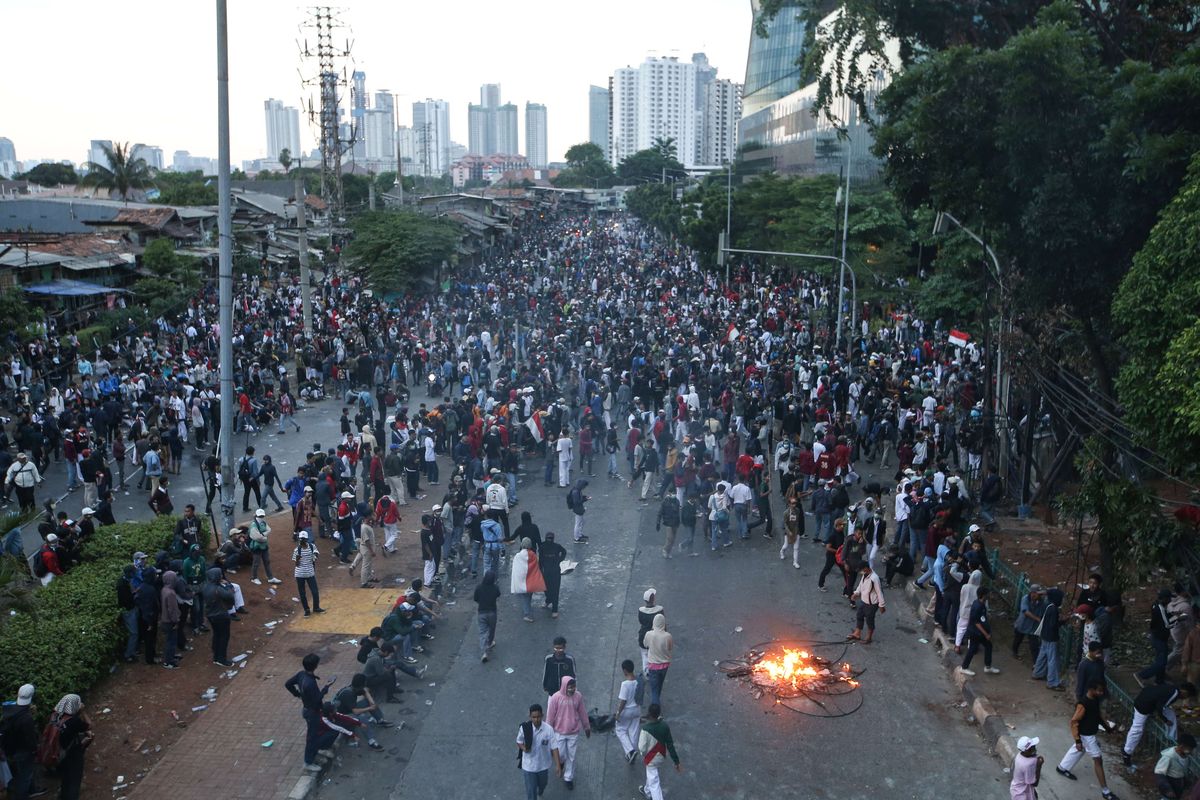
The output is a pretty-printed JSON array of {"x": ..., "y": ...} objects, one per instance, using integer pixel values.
[
  {"x": 51, "y": 538},
  {"x": 260, "y": 513},
  {"x": 347, "y": 495},
  {"x": 302, "y": 535},
  {"x": 1026, "y": 742},
  {"x": 86, "y": 511},
  {"x": 973, "y": 529},
  {"x": 25, "y": 695}
]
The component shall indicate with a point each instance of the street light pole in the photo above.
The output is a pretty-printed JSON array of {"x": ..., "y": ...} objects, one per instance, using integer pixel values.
[
  {"x": 225, "y": 270},
  {"x": 845, "y": 234},
  {"x": 845, "y": 267}
]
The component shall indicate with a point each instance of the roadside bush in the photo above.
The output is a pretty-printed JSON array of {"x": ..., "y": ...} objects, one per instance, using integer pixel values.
[{"x": 67, "y": 642}]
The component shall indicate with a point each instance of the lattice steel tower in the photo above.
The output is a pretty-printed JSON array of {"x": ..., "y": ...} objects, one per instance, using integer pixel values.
[{"x": 329, "y": 81}]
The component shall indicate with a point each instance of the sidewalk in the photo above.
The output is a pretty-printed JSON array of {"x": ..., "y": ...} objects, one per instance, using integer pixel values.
[{"x": 1011, "y": 705}]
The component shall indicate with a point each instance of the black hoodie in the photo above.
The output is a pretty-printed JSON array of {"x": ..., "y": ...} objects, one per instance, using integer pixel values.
[
  {"x": 18, "y": 734},
  {"x": 486, "y": 593}
]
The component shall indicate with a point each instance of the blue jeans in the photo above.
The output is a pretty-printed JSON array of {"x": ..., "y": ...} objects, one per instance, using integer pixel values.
[
  {"x": 512, "y": 487},
  {"x": 1158, "y": 667},
  {"x": 405, "y": 643},
  {"x": 741, "y": 513},
  {"x": 902, "y": 533},
  {"x": 130, "y": 618},
  {"x": 987, "y": 512},
  {"x": 720, "y": 530},
  {"x": 612, "y": 464},
  {"x": 431, "y": 471},
  {"x": 316, "y": 738},
  {"x": 917, "y": 541},
  {"x": 688, "y": 544},
  {"x": 1046, "y": 665},
  {"x": 824, "y": 525},
  {"x": 476, "y": 547},
  {"x": 72, "y": 475},
  {"x": 927, "y": 565},
  {"x": 535, "y": 783},
  {"x": 491, "y": 559},
  {"x": 655, "y": 678},
  {"x": 526, "y": 603},
  {"x": 487, "y": 630}
]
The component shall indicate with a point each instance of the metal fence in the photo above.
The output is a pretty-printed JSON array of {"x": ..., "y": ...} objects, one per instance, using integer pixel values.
[{"x": 1011, "y": 587}]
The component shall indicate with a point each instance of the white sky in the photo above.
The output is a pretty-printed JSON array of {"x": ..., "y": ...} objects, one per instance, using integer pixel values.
[{"x": 144, "y": 70}]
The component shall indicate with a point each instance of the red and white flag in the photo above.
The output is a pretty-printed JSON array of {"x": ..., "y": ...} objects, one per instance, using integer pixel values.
[
  {"x": 534, "y": 423},
  {"x": 959, "y": 338},
  {"x": 733, "y": 333}
]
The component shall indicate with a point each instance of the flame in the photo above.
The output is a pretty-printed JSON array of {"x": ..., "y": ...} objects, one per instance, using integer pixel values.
[{"x": 793, "y": 668}]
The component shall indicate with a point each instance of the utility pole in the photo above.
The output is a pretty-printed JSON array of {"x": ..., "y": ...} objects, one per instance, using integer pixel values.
[
  {"x": 728, "y": 215},
  {"x": 305, "y": 279},
  {"x": 323, "y": 20},
  {"x": 225, "y": 271},
  {"x": 845, "y": 232},
  {"x": 371, "y": 191}
]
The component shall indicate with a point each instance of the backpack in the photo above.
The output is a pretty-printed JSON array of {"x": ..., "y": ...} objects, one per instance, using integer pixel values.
[
  {"x": 244, "y": 469},
  {"x": 49, "y": 749},
  {"x": 39, "y": 565},
  {"x": 639, "y": 692},
  {"x": 840, "y": 555}
]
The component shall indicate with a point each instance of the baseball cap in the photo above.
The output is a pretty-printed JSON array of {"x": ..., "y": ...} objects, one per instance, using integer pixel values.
[
  {"x": 51, "y": 538},
  {"x": 1026, "y": 742},
  {"x": 260, "y": 513},
  {"x": 308, "y": 489},
  {"x": 138, "y": 554},
  {"x": 86, "y": 511},
  {"x": 347, "y": 495},
  {"x": 973, "y": 529},
  {"x": 25, "y": 695},
  {"x": 302, "y": 535}
]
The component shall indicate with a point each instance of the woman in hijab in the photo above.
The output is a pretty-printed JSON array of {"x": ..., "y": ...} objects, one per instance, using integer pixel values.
[
  {"x": 966, "y": 597},
  {"x": 550, "y": 557},
  {"x": 73, "y": 739},
  {"x": 526, "y": 577}
]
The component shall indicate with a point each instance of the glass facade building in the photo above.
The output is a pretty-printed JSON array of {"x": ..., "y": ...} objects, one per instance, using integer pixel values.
[{"x": 771, "y": 68}]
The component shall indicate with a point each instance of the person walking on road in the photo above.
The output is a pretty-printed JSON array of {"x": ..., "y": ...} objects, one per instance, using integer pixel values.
[
  {"x": 576, "y": 501},
  {"x": 23, "y": 476},
  {"x": 1046, "y": 665},
  {"x": 628, "y": 714},
  {"x": 655, "y": 744},
  {"x": 364, "y": 561},
  {"x": 248, "y": 472},
  {"x": 668, "y": 515},
  {"x": 979, "y": 635},
  {"x": 868, "y": 596},
  {"x": 559, "y": 664},
  {"x": 567, "y": 714},
  {"x": 1026, "y": 770},
  {"x": 659, "y": 645},
  {"x": 1085, "y": 724},
  {"x": 537, "y": 750},
  {"x": 486, "y": 595},
  {"x": 646, "y": 615},
  {"x": 551, "y": 554}
]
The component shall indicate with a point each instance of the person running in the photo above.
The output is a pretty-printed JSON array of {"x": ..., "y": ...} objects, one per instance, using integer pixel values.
[
  {"x": 655, "y": 744},
  {"x": 1085, "y": 724}
]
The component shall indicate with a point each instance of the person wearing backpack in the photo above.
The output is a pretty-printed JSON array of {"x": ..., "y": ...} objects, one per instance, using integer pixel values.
[
  {"x": 73, "y": 730},
  {"x": 537, "y": 748},
  {"x": 576, "y": 501},
  {"x": 629, "y": 713},
  {"x": 46, "y": 565},
  {"x": 248, "y": 472}
]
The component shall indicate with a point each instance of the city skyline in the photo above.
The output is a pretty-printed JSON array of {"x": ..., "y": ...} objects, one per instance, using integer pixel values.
[{"x": 264, "y": 62}]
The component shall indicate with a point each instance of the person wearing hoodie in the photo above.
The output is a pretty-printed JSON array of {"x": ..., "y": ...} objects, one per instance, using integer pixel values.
[
  {"x": 1046, "y": 665},
  {"x": 576, "y": 501},
  {"x": 551, "y": 554},
  {"x": 655, "y": 744},
  {"x": 148, "y": 604},
  {"x": 486, "y": 595},
  {"x": 218, "y": 601},
  {"x": 567, "y": 714},
  {"x": 966, "y": 599},
  {"x": 19, "y": 739},
  {"x": 559, "y": 664},
  {"x": 129, "y": 613},
  {"x": 646, "y": 615},
  {"x": 528, "y": 530},
  {"x": 659, "y": 645},
  {"x": 169, "y": 620}
]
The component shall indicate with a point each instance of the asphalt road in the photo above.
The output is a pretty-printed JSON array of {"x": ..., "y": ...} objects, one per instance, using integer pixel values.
[{"x": 908, "y": 740}]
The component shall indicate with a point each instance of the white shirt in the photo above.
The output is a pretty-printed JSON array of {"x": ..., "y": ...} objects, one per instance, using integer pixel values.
[
  {"x": 430, "y": 451},
  {"x": 628, "y": 693},
  {"x": 537, "y": 757},
  {"x": 741, "y": 493},
  {"x": 901, "y": 507},
  {"x": 869, "y": 591},
  {"x": 564, "y": 448},
  {"x": 497, "y": 496}
]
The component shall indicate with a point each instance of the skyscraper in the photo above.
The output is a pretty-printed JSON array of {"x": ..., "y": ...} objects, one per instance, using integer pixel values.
[
  {"x": 623, "y": 120},
  {"x": 8, "y": 158},
  {"x": 666, "y": 106},
  {"x": 722, "y": 110},
  {"x": 431, "y": 132},
  {"x": 506, "y": 130},
  {"x": 598, "y": 100},
  {"x": 536, "y": 147},
  {"x": 153, "y": 156},
  {"x": 378, "y": 129},
  {"x": 480, "y": 130},
  {"x": 283, "y": 128},
  {"x": 96, "y": 151},
  {"x": 772, "y": 70},
  {"x": 489, "y": 95}
]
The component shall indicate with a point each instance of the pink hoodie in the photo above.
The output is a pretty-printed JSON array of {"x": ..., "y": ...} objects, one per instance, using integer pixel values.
[{"x": 565, "y": 712}]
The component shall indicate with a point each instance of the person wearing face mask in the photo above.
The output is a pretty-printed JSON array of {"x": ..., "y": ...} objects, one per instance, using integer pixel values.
[{"x": 567, "y": 714}]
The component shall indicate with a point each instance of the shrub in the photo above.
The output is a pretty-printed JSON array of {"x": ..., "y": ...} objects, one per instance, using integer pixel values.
[{"x": 67, "y": 642}]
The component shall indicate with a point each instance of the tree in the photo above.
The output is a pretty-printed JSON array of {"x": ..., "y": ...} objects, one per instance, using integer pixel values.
[
  {"x": 655, "y": 204},
  {"x": 1155, "y": 310},
  {"x": 652, "y": 164},
  {"x": 586, "y": 167},
  {"x": 285, "y": 159},
  {"x": 121, "y": 172},
  {"x": 50, "y": 175},
  {"x": 392, "y": 249},
  {"x": 355, "y": 189},
  {"x": 173, "y": 279},
  {"x": 185, "y": 189}
]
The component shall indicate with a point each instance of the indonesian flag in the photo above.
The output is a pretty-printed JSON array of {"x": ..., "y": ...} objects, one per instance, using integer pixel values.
[
  {"x": 534, "y": 424},
  {"x": 733, "y": 333},
  {"x": 959, "y": 338},
  {"x": 527, "y": 576}
]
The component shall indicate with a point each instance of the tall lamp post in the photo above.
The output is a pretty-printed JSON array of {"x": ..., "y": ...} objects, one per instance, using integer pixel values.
[
  {"x": 845, "y": 266},
  {"x": 225, "y": 270}
]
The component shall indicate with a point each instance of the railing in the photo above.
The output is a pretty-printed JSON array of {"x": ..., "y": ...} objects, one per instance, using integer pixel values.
[{"x": 1013, "y": 586}]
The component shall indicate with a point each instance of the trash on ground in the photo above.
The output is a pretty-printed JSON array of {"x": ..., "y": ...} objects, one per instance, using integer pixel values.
[
  {"x": 268, "y": 743},
  {"x": 509, "y": 670}
]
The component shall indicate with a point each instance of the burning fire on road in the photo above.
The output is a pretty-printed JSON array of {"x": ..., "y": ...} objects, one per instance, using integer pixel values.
[{"x": 798, "y": 678}]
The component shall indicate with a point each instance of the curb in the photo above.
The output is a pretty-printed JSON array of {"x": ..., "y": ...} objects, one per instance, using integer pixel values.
[
  {"x": 308, "y": 782},
  {"x": 992, "y": 726}
]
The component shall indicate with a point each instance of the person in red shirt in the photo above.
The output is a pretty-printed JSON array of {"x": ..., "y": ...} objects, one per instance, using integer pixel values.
[{"x": 49, "y": 556}]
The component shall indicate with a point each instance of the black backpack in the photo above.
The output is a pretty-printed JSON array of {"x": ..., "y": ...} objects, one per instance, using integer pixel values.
[
  {"x": 244, "y": 469},
  {"x": 40, "y": 570}
]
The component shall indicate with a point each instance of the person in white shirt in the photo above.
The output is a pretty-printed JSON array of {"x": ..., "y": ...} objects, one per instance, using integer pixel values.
[
  {"x": 564, "y": 446},
  {"x": 628, "y": 713},
  {"x": 431, "y": 466},
  {"x": 537, "y": 747},
  {"x": 869, "y": 597}
]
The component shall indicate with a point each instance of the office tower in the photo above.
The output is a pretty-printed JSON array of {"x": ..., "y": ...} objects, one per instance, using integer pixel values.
[
  {"x": 480, "y": 128},
  {"x": 598, "y": 102},
  {"x": 722, "y": 110},
  {"x": 96, "y": 151},
  {"x": 536, "y": 145},
  {"x": 506, "y": 130},
  {"x": 283, "y": 129},
  {"x": 431, "y": 126},
  {"x": 153, "y": 156},
  {"x": 622, "y": 134},
  {"x": 772, "y": 70},
  {"x": 489, "y": 95}
]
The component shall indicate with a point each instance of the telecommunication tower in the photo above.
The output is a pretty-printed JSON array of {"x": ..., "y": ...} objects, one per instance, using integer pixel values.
[{"x": 329, "y": 81}]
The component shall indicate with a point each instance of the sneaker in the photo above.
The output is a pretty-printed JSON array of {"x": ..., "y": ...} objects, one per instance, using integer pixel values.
[
  {"x": 527, "y": 619},
  {"x": 320, "y": 610},
  {"x": 822, "y": 588},
  {"x": 1108, "y": 795},
  {"x": 631, "y": 756},
  {"x": 408, "y": 659},
  {"x": 374, "y": 745},
  {"x": 170, "y": 665},
  {"x": 256, "y": 581},
  {"x": 483, "y": 658},
  {"x": 274, "y": 580},
  {"x": 223, "y": 663},
  {"x": 992, "y": 670},
  {"x": 966, "y": 671},
  {"x": 1066, "y": 773},
  {"x": 421, "y": 671}
]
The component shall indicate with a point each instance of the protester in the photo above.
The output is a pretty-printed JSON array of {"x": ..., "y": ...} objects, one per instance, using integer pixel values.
[
  {"x": 567, "y": 714},
  {"x": 1026, "y": 769},
  {"x": 74, "y": 737},
  {"x": 628, "y": 712},
  {"x": 655, "y": 744},
  {"x": 659, "y": 647},
  {"x": 304, "y": 560},
  {"x": 537, "y": 749},
  {"x": 486, "y": 595},
  {"x": 1085, "y": 724}
]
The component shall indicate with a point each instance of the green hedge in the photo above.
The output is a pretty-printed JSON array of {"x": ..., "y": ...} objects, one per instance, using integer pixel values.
[{"x": 68, "y": 643}]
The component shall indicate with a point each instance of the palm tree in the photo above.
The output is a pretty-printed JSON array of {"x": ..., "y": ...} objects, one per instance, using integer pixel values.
[
  {"x": 285, "y": 160},
  {"x": 122, "y": 173}
]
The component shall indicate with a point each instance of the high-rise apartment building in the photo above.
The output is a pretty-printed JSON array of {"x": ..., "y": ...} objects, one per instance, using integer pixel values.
[
  {"x": 598, "y": 121},
  {"x": 489, "y": 95},
  {"x": 406, "y": 142},
  {"x": 153, "y": 156},
  {"x": 480, "y": 130},
  {"x": 536, "y": 142},
  {"x": 96, "y": 151},
  {"x": 623, "y": 117},
  {"x": 507, "y": 126},
  {"x": 431, "y": 131},
  {"x": 722, "y": 110},
  {"x": 283, "y": 128},
  {"x": 8, "y": 158},
  {"x": 666, "y": 106}
]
